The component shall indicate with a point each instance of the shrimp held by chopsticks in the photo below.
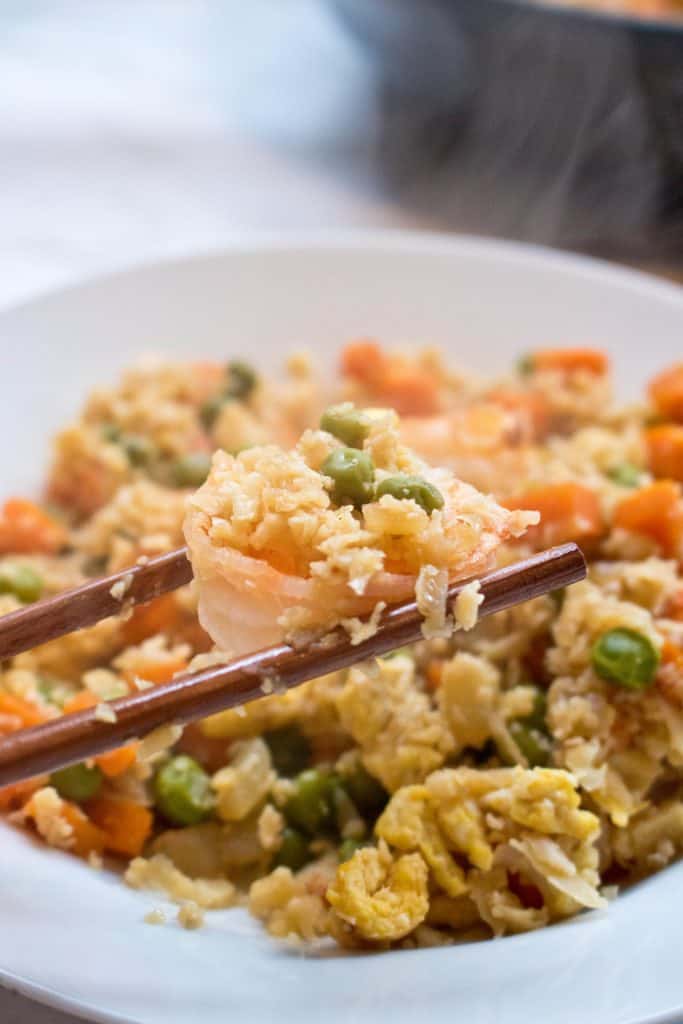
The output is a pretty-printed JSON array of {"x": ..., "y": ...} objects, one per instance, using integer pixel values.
[{"x": 293, "y": 543}]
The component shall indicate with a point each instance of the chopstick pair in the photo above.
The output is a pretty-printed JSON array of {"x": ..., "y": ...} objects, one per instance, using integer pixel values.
[{"x": 75, "y": 737}]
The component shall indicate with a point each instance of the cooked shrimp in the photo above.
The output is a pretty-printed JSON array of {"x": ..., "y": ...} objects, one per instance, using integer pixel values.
[
  {"x": 487, "y": 443},
  {"x": 287, "y": 541}
]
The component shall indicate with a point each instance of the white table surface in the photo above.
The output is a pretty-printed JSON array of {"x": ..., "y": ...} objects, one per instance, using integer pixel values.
[{"x": 132, "y": 130}]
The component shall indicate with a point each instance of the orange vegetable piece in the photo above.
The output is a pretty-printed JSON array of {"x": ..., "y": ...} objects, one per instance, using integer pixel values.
[
  {"x": 669, "y": 678},
  {"x": 15, "y": 796},
  {"x": 674, "y": 607},
  {"x": 363, "y": 360},
  {"x": 157, "y": 671},
  {"x": 410, "y": 390},
  {"x": 87, "y": 837},
  {"x": 116, "y": 762},
  {"x": 112, "y": 762},
  {"x": 434, "y": 674},
  {"x": 569, "y": 360},
  {"x": 530, "y": 408},
  {"x": 80, "y": 702},
  {"x": 22, "y": 710},
  {"x": 126, "y": 825},
  {"x": 569, "y": 511},
  {"x": 26, "y": 529},
  {"x": 655, "y": 511},
  {"x": 666, "y": 392},
  {"x": 665, "y": 450},
  {"x": 158, "y": 616}
]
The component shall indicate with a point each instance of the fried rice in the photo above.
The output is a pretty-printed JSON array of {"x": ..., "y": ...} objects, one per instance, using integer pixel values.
[{"x": 494, "y": 778}]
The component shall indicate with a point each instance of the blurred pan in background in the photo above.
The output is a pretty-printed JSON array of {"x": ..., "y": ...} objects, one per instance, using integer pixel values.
[{"x": 543, "y": 122}]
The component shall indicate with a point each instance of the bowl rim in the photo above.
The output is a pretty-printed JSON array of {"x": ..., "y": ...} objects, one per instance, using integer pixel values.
[{"x": 390, "y": 240}]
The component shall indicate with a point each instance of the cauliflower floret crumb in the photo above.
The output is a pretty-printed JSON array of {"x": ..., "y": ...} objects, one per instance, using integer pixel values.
[{"x": 190, "y": 916}]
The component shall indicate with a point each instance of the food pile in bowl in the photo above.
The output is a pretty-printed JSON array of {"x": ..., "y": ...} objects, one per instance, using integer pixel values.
[
  {"x": 494, "y": 778},
  {"x": 641, "y": 8}
]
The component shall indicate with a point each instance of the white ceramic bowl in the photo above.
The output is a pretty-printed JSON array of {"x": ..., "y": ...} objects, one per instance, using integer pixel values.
[{"x": 75, "y": 938}]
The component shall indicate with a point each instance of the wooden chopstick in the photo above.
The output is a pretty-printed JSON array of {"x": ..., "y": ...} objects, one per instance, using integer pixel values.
[
  {"x": 75, "y": 737},
  {"x": 85, "y": 605}
]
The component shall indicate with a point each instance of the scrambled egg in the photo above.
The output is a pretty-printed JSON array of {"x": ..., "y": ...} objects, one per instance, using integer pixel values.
[{"x": 383, "y": 898}]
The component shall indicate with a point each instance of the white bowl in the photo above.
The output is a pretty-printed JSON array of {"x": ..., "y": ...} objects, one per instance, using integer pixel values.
[{"x": 75, "y": 938}]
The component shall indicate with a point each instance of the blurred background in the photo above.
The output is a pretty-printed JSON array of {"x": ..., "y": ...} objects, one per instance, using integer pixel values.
[{"x": 137, "y": 129}]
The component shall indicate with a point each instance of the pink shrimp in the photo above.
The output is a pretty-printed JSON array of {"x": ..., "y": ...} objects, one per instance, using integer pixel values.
[{"x": 247, "y": 595}]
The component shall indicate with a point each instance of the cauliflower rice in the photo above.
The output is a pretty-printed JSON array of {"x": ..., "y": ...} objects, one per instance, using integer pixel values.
[{"x": 496, "y": 777}]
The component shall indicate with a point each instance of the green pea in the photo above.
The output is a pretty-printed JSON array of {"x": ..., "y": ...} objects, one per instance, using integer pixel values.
[
  {"x": 210, "y": 410},
  {"x": 626, "y": 475},
  {"x": 347, "y": 423},
  {"x": 290, "y": 751},
  {"x": 352, "y": 473},
  {"x": 293, "y": 852},
  {"x": 536, "y": 717},
  {"x": 191, "y": 470},
  {"x": 182, "y": 791},
  {"x": 241, "y": 380},
  {"x": 78, "y": 782},
  {"x": 140, "y": 450},
  {"x": 348, "y": 847},
  {"x": 525, "y": 365},
  {"x": 310, "y": 805},
  {"x": 22, "y": 581},
  {"x": 626, "y": 657},
  {"x": 406, "y": 487},
  {"x": 369, "y": 795},
  {"x": 344, "y": 808},
  {"x": 534, "y": 744}
]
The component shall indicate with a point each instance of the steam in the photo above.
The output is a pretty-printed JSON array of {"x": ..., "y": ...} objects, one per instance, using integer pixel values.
[{"x": 554, "y": 144}]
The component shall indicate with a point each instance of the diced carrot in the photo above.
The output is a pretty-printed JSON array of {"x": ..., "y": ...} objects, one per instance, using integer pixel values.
[
  {"x": 666, "y": 392},
  {"x": 669, "y": 677},
  {"x": 674, "y": 606},
  {"x": 80, "y": 702},
  {"x": 158, "y": 616},
  {"x": 23, "y": 710},
  {"x": 665, "y": 450},
  {"x": 126, "y": 825},
  {"x": 160, "y": 670},
  {"x": 655, "y": 511},
  {"x": 410, "y": 390},
  {"x": 569, "y": 511},
  {"x": 25, "y": 528},
  {"x": 87, "y": 837},
  {"x": 529, "y": 407},
  {"x": 434, "y": 674},
  {"x": 112, "y": 762},
  {"x": 363, "y": 360},
  {"x": 116, "y": 762},
  {"x": 569, "y": 360},
  {"x": 15, "y": 796},
  {"x": 671, "y": 654}
]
